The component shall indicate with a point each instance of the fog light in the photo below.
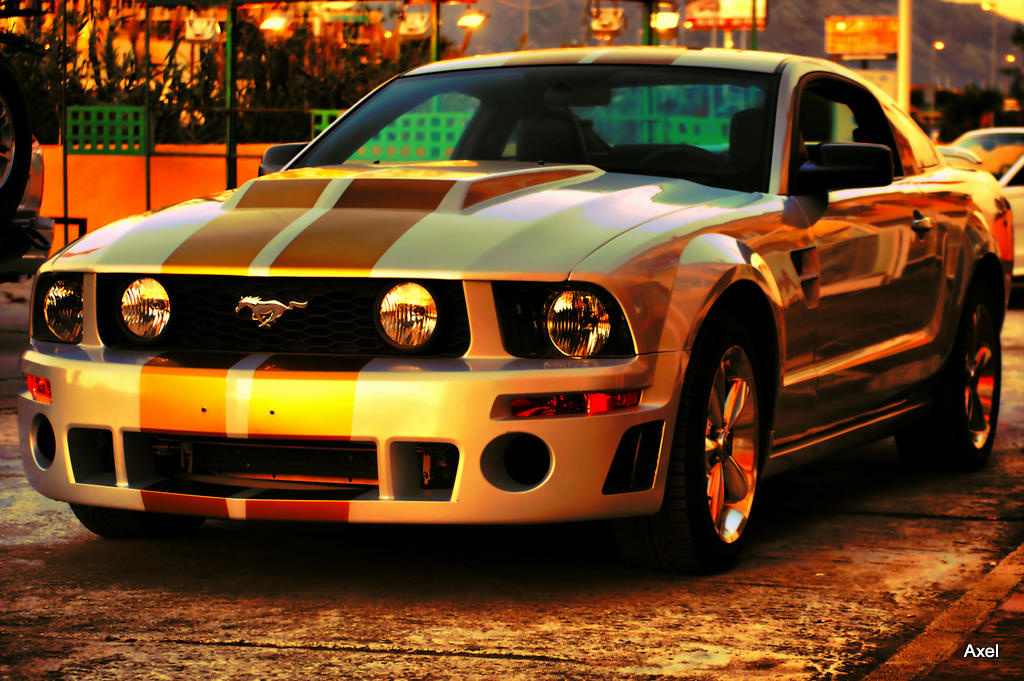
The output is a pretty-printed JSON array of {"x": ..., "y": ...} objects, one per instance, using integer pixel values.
[
  {"x": 43, "y": 442},
  {"x": 40, "y": 389},
  {"x": 564, "y": 404},
  {"x": 145, "y": 308},
  {"x": 578, "y": 323},
  {"x": 62, "y": 310},
  {"x": 407, "y": 316}
]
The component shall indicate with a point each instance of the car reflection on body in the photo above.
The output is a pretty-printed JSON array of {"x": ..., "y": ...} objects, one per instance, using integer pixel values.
[{"x": 623, "y": 283}]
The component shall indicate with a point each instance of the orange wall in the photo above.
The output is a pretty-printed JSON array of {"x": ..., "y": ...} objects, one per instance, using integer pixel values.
[{"x": 107, "y": 188}]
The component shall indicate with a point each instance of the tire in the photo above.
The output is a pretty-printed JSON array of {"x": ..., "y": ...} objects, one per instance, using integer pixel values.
[
  {"x": 960, "y": 430},
  {"x": 15, "y": 143},
  {"x": 115, "y": 523},
  {"x": 713, "y": 465}
]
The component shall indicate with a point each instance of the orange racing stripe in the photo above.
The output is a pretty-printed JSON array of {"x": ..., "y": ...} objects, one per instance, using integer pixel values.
[
  {"x": 366, "y": 221},
  {"x": 304, "y": 396},
  {"x": 287, "y": 509},
  {"x": 236, "y": 237},
  {"x": 641, "y": 55},
  {"x": 169, "y": 502},
  {"x": 185, "y": 392},
  {"x": 484, "y": 190}
]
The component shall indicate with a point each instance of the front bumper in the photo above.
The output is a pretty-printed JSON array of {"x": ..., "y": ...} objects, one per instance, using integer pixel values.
[{"x": 393, "y": 403}]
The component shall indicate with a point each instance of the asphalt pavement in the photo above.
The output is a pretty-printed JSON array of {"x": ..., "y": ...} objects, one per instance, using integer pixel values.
[{"x": 860, "y": 570}]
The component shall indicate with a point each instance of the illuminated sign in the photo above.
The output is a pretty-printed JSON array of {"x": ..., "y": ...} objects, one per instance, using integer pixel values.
[
  {"x": 861, "y": 37},
  {"x": 726, "y": 15}
]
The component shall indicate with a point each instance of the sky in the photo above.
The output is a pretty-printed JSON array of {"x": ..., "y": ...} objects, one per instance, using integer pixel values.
[{"x": 1013, "y": 9}]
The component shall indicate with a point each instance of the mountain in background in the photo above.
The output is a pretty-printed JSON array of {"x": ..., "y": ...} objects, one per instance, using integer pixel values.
[{"x": 795, "y": 26}]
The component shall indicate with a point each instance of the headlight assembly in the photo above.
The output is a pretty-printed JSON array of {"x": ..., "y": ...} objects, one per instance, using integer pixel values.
[
  {"x": 145, "y": 308},
  {"x": 407, "y": 315},
  {"x": 558, "y": 320},
  {"x": 62, "y": 308},
  {"x": 578, "y": 323}
]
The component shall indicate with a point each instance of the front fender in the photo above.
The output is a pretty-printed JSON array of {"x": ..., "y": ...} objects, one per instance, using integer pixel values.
[{"x": 709, "y": 266}]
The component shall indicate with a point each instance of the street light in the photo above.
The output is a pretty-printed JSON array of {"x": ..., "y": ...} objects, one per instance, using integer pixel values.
[
  {"x": 990, "y": 7},
  {"x": 665, "y": 21},
  {"x": 937, "y": 46},
  {"x": 472, "y": 19}
]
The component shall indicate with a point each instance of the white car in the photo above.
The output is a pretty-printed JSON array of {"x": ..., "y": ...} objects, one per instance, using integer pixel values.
[
  {"x": 1013, "y": 184},
  {"x": 623, "y": 283}
]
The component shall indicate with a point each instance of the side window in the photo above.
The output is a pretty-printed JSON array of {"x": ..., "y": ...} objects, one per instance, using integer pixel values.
[
  {"x": 1017, "y": 180},
  {"x": 837, "y": 111},
  {"x": 430, "y": 132},
  {"x": 824, "y": 120}
]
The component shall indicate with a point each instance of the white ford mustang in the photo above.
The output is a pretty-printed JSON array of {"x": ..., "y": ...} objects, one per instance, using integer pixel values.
[{"x": 620, "y": 283}]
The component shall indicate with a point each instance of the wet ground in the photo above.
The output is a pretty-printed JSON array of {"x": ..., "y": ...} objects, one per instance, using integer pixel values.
[{"x": 850, "y": 558}]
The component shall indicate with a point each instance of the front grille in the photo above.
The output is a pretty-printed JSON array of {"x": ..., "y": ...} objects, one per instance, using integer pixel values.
[
  {"x": 279, "y": 460},
  {"x": 339, "y": 318}
]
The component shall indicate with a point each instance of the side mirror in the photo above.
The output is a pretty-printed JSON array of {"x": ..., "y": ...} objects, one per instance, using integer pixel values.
[
  {"x": 278, "y": 156},
  {"x": 958, "y": 157},
  {"x": 845, "y": 166}
]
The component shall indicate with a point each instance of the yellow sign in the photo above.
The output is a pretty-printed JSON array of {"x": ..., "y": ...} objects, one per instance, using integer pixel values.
[{"x": 862, "y": 37}]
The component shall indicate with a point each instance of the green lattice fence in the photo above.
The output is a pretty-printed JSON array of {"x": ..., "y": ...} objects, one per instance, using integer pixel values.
[
  {"x": 701, "y": 131},
  {"x": 321, "y": 118},
  {"x": 416, "y": 137},
  {"x": 117, "y": 130}
]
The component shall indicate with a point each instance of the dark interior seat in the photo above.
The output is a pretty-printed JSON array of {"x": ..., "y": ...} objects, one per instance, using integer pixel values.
[{"x": 553, "y": 136}]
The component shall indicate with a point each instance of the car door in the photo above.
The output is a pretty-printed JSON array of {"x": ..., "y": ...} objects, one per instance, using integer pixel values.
[
  {"x": 876, "y": 251},
  {"x": 1013, "y": 185}
]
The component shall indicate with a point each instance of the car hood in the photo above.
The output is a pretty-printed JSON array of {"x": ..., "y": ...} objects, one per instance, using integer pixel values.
[{"x": 456, "y": 220}]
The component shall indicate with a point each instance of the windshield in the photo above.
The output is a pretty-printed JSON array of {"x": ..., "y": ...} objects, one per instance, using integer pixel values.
[
  {"x": 996, "y": 151},
  {"x": 708, "y": 125}
]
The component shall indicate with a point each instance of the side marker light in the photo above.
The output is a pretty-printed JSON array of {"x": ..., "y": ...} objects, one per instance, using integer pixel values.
[
  {"x": 581, "y": 403},
  {"x": 40, "y": 389}
]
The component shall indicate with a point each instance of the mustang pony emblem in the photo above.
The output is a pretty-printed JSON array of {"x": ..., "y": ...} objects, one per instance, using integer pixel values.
[{"x": 266, "y": 312}]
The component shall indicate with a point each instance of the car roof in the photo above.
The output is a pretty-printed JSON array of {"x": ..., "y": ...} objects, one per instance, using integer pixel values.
[{"x": 743, "y": 60}]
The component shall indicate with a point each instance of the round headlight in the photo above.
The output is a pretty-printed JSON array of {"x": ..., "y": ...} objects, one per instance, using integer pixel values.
[
  {"x": 408, "y": 315},
  {"x": 578, "y": 323},
  {"x": 62, "y": 310},
  {"x": 145, "y": 308}
]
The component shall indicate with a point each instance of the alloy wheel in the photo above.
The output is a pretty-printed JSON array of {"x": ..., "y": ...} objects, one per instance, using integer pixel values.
[
  {"x": 730, "y": 454},
  {"x": 980, "y": 378}
]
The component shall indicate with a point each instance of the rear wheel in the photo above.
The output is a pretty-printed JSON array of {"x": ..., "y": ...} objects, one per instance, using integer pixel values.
[
  {"x": 116, "y": 523},
  {"x": 15, "y": 143},
  {"x": 713, "y": 469},
  {"x": 961, "y": 428}
]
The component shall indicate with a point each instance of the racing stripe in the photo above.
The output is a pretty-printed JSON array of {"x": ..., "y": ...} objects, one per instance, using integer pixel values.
[
  {"x": 640, "y": 55},
  {"x": 371, "y": 215},
  {"x": 487, "y": 189},
  {"x": 169, "y": 502},
  {"x": 287, "y": 509},
  {"x": 548, "y": 57},
  {"x": 185, "y": 392},
  {"x": 234, "y": 239},
  {"x": 304, "y": 396}
]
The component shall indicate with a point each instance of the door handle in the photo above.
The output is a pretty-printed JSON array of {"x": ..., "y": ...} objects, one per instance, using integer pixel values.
[{"x": 921, "y": 224}]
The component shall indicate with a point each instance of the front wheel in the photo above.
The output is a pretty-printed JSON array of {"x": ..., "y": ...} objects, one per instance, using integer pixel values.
[
  {"x": 116, "y": 523},
  {"x": 960, "y": 430},
  {"x": 713, "y": 468}
]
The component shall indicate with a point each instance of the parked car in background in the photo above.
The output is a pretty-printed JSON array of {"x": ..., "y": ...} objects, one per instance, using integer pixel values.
[
  {"x": 25, "y": 235},
  {"x": 621, "y": 283},
  {"x": 996, "y": 148},
  {"x": 1013, "y": 183}
]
